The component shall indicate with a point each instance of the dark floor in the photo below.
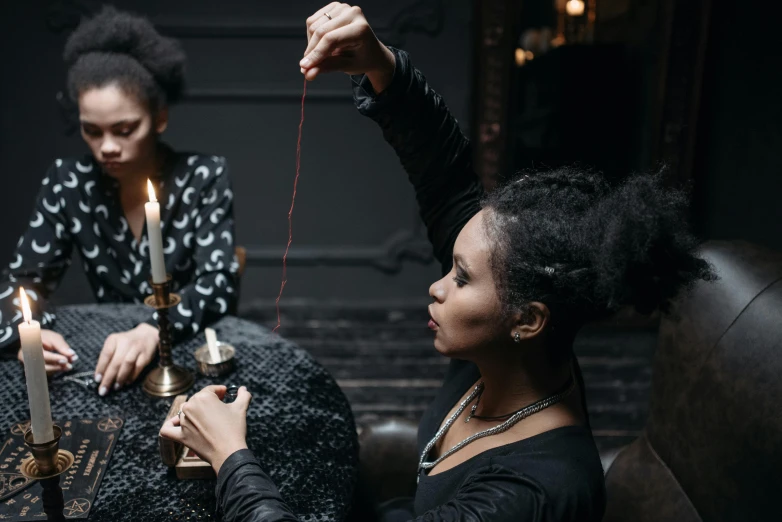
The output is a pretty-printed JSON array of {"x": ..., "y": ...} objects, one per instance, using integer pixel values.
[{"x": 383, "y": 358}]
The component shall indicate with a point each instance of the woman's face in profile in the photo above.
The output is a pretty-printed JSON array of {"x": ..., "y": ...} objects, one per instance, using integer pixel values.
[
  {"x": 119, "y": 129},
  {"x": 466, "y": 312}
]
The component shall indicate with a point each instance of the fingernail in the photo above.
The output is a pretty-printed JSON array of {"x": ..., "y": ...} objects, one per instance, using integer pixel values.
[
  {"x": 117, "y": 386},
  {"x": 103, "y": 391},
  {"x": 63, "y": 361},
  {"x": 70, "y": 351},
  {"x": 69, "y": 367},
  {"x": 302, "y": 69},
  {"x": 98, "y": 377},
  {"x": 305, "y": 62},
  {"x": 74, "y": 358}
]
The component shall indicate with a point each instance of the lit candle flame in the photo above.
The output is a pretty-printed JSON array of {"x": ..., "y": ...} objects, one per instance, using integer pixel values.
[
  {"x": 151, "y": 191},
  {"x": 28, "y": 316}
]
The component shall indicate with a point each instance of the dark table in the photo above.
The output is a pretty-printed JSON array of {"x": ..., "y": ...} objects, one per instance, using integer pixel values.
[{"x": 299, "y": 423}]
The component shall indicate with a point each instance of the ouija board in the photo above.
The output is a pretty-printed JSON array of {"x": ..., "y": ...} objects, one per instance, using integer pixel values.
[{"x": 90, "y": 440}]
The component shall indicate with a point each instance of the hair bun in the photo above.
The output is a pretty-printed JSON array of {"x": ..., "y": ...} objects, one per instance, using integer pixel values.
[
  {"x": 645, "y": 255},
  {"x": 112, "y": 31}
]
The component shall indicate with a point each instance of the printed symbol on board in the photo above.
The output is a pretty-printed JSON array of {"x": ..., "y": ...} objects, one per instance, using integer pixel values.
[
  {"x": 12, "y": 481},
  {"x": 109, "y": 424},
  {"x": 10, "y": 484},
  {"x": 20, "y": 428},
  {"x": 76, "y": 507}
]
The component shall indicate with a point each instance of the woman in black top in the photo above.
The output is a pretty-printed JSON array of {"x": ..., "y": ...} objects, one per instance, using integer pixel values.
[
  {"x": 124, "y": 75},
  {"x": 507, "y": 438}
]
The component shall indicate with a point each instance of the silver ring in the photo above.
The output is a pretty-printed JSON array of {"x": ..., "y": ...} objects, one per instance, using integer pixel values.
[
  {"x": 327, "y": 16},
  {"x": 180, "y": 414}
]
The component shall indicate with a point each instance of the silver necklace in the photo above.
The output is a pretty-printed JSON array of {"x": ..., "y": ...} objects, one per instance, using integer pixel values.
[{"x": 505, "y": 426}]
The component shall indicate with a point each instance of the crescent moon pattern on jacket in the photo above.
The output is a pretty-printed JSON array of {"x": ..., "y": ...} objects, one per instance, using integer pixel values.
[{"x": 78, "y": 208}]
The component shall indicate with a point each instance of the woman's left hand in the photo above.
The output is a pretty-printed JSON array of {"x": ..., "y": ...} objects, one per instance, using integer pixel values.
[
  {"x": 124, "y": 357},
  {"x": 209, "y": 427},
  {"x": 339, "y": 38}
]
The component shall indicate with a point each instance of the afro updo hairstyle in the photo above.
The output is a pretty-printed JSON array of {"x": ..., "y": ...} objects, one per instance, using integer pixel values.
[
  {"x": 585, "y": 249},
  {"x": 118, "y": 47}
]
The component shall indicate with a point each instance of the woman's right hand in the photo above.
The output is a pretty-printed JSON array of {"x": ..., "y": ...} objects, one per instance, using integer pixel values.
[
  {"x": 214, "y": 430},
  {"x": 340, "y": 39},
  {"x": 57, "y": 355}
]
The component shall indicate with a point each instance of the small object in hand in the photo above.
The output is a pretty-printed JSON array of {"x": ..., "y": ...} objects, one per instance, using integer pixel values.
[{"x": 230, "y": 394}]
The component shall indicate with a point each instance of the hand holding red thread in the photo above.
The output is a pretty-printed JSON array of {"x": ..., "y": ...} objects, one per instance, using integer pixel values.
[{"x": 339, "y": 38}]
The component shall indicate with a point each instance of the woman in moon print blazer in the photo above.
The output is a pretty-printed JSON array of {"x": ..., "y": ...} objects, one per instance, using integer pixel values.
[
  {"x": 123, "y": 75},
  {"x": 78, "y": 207}
]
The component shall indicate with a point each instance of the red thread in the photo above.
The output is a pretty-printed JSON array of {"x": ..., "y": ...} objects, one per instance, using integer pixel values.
[{"x": 290, "y": 212}]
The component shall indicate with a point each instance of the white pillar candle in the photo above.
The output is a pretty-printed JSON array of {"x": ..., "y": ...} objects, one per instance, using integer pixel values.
[
  {"x": 155, "y": 235},
  {"x": 211, "y": 342},
  {"x": 35, "y": 373}
]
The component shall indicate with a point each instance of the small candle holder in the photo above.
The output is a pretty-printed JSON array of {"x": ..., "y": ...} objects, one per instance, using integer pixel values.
[
  {"x": 210, "y": 368},
  {"x": 167, "y": 379},
  {"x": 46, "y": 465}
]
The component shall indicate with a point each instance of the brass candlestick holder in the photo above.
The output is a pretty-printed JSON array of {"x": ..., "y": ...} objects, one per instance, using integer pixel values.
[
  {"x": 46, "y": 465},
  {"x": 167, "y": 379}
]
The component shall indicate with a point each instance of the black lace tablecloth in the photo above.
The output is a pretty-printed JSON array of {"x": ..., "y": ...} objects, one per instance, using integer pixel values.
[{"x": 299, "y": 423}]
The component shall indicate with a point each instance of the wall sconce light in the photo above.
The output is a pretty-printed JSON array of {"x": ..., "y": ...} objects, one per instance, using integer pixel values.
[
  {"x": 522, "y": 56},
  {"x": 575, "y": 7},
  {"x": 572, "y": 26},
  {"x": 575, "y": 25}
]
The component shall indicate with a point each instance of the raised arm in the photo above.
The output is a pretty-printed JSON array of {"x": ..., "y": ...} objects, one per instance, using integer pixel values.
[
  {"x": 428, "y": 141},
  {"x": 413, "y": 117}
]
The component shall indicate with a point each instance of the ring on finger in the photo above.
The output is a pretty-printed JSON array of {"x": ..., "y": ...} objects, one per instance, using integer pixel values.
[{"x": 327, "y": 15}]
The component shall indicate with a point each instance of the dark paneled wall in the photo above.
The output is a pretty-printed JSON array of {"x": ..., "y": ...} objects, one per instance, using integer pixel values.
[{"x": 356, "y": 232}]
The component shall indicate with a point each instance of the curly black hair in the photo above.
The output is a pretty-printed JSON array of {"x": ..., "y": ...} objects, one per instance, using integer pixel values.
[
  {"x": 585, "y": 248},
  {"x": 115, "y": 46}
]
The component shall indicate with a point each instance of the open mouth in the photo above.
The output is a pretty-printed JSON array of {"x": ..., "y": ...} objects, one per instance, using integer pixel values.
[{"x": 433, "y": 325}]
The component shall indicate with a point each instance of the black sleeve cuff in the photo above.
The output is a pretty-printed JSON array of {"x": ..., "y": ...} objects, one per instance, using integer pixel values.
[
  {"x": 245, "y": 493},
  {"x": 370, "y": 103},
  {"x": 236, "y": 461}
]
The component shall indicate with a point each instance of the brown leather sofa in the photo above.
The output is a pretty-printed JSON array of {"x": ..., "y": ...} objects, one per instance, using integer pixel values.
[
  {"x": 712, "y": 446},
  {"x": 388, "y": 462}
]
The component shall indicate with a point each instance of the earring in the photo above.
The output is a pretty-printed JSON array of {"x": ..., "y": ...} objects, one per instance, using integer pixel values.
[{"x": 517, "y": 338}]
